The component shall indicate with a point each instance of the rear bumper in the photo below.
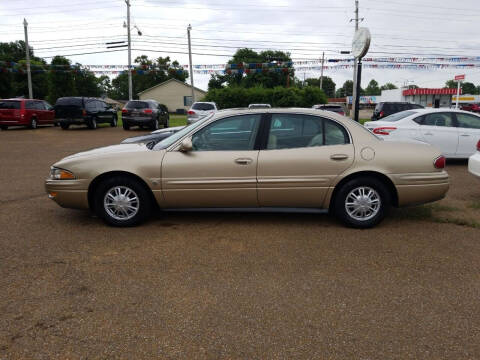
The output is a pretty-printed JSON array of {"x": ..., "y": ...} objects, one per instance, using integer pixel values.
[
  {"x": 421, "y": 188},
  {"x": 132, "y": 120},
  {"x": 474, "y": 164},
  {"x": 68, "y": 193},
  {"x": 72, "y": 121}
]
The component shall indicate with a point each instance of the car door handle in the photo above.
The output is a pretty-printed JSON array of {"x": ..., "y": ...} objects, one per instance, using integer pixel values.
[
  {"x": 243, "y": 161},
  {"x": 464, "y": 134},
  {"x": 339, "y": 156}
]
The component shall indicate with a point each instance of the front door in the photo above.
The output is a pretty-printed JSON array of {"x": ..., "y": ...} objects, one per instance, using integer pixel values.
[
  {"x": 221, "y": 169},
  {"x": 303, "y": 156},
  {"x": 469, "y": 133},
  {"x": 438, "y": 129}
]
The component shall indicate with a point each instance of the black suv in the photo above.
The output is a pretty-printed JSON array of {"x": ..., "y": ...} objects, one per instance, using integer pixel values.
[
  {"x": 388, "y": 108},
  {"x": 83, "y": 110},
  {"x": 145, "y": 113}
]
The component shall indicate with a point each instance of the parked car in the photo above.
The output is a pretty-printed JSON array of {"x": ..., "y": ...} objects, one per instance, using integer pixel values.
[
  {"x": 471, "y": 107},
  {"x": 252, "y": 159},
  {"x": 384, "y": 109},
  {"x": 326, "y": 107},
  {"x": 474, "y": 162},
  {"x": 153, "y": 138},
  {"x": 25, "y": 112},
  {"x": 454, "y": 132},
  {"x": 84, "y": 111},
  {"x": 147, "y": 113},
  {"x": 259, "y": 106},
  {"x": 200, "y": 109}
]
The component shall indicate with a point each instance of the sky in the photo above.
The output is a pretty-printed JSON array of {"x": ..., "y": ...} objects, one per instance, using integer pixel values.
[{"x": 400, "y": 29}]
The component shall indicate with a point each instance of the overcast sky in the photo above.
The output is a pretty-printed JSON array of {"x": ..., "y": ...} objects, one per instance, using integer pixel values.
[{"x": 306, "y": 28}]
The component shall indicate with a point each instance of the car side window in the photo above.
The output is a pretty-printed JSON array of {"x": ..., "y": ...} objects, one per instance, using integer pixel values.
[
  {"x": 289, "y": 131},
  {"x": 30, "y": 105},
  {"x": 438, "y": 119},
  {"x": 90, "y": 106},
  {"x": 229, "y": 134},
  {"x": 419, "y": 120},
  {"x": 468, "y": 121}
]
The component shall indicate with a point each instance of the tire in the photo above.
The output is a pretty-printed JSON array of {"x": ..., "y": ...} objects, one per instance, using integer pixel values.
[
  {"x": 64, "y": 126},
  {"x": 33, "y": 124},
  {"x": 371, "y": 209},
  {"x": 167, "y": 122},
  {"x": 113, "y": 123},
  {"x": 92, "y": 123},
  {"x": 4, "y": 127},
  {"x": 55, "y": 124},
  {"x": 126, "y": 126},
  {"x": 154, "y": 125},
  {"x": 105, "y": 205}
]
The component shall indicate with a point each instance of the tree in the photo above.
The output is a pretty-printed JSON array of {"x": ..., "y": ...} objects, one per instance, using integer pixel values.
[
  {"x": 372, "y": 88},
  {"x": 60, "y": 79},
  {"x": 388, "y": 86},
  {"x": 345, "y": 90},
  {"x": 328, "y": 86},
  {"x": 467, "y": 87},
  {"x": 147, "y": 73},
  {"x": 85, "y": 82}
]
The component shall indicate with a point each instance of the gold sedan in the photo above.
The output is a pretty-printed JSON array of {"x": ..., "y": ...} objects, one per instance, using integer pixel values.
[{"x": 294, "y": 158}]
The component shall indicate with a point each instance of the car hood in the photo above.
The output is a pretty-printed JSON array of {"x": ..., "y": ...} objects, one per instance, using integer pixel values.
[{"x": 113, "y": 149}]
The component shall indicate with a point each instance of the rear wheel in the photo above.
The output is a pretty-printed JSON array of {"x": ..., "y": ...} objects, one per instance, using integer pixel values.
[
  {"x": 113, "y": 123},
  {"x": 362, "y": 202},
  {"x": 92, "y": 123},
  {"x": 126, "y": 126},
  {"x": 64, "y": 126},
  {"x": 167, "y": 122},
  {"x": 3, "y": 127},
  {"x": 154, "y": 125},
  {"x": 122, "y": 201},
  {"x": 33, "y": 123}
]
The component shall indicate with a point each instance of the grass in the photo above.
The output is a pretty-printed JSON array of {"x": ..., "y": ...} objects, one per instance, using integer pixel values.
[
  {"x": 474, "y": 205},
  {"x": 175, "y": 120}
]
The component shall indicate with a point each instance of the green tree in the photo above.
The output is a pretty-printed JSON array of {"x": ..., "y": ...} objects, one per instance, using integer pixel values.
[
  {"x": 39, "y": 72},
  {"x": 328, "y": 86},
  {"x": 345, "y": 90},
  {"x": 85, "y": 82},
  {"x": 388, "y": 86},
  {"x": 60, "y": 79},
  {"x": 467, "y": 87},
  {"x": 372, "y": 88}
]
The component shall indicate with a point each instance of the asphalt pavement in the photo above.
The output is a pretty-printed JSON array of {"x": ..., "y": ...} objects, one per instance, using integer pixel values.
[{"x": 229, "y": 285}]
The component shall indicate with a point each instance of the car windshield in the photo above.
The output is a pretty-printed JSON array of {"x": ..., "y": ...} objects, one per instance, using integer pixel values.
[
  {"x": 5, "y": 104},
  {"x": 136, "y": 105},
  {"x": 203, "y": 106},
  {"x": 398, "y": 116},
  {"x": 178, "y": 135}
]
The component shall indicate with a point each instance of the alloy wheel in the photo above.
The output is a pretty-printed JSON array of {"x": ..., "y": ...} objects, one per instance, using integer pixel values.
[
  {"x": 363, "y": 203},
  {"x": 121, "y": 203}
]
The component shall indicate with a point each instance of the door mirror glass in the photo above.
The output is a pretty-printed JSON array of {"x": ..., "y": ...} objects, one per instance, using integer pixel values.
[{"x": 186, "y": 145}]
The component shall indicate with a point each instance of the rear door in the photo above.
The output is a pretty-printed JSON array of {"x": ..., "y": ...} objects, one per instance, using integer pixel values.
[
  {"x": 469, "y": 133},
  {"x": 302, "y": 157},
  {"x": 10, "y": 110},
  {"x": 438, "y": 129}
]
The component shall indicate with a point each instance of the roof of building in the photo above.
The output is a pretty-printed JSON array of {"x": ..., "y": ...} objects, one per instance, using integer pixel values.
[
  {"x": 424, "y": 91},
  {"x": 169, "y": 81}
]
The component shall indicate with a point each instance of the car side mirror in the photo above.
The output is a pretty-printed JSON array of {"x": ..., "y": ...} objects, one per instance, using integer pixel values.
[{"x": 186, "y": 145}]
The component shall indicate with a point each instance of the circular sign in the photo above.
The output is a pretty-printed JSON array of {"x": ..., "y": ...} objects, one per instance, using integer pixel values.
[{"x": 361, "y": 42}]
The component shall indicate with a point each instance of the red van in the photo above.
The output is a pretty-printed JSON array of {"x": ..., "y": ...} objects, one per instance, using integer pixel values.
[{"x": 25, "y": 112}]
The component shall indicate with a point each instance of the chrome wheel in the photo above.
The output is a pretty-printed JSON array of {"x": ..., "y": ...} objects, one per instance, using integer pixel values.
[
  {"x": 363, "y": 203},
  {"x": 121, "y": 203}
]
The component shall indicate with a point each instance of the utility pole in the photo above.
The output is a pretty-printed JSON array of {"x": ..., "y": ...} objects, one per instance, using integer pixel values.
[
  {"x": 29, "y": 75},
  {"x": 189, "y": 27},
  {"x": 321, "y": 73},
  {"x": 130, "y": 97},
  {"x": 355, "y": 63}
]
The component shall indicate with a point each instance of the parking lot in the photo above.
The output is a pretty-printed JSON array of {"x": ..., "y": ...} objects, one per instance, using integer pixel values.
[{"x": 229, "y": 285}]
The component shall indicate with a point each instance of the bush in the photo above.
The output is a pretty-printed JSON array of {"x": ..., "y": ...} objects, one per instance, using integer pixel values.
[{"x": 231, "y": 97}]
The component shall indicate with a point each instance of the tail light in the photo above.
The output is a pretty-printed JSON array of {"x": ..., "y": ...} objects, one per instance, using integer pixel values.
[
  {"x": 84, "y": 112},
  {"x": 381, "y": 114},
  {"x": 439, "y": 162},
  {"x": 384, "y": 130},
  {"x": 190, "y": 112},
  {"x": 478, "y": 145},
  {"x": 147, "y": 111},
  {"x": 124, "y": 111}
]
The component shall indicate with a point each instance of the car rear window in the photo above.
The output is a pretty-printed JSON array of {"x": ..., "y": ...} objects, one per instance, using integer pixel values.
[
  {"x": 69, "y": 101},
  {"x": 398, "y": 116},
  {"x": 203, "y": 106},
  {"x": 6, "y": 104},
  {"x": 137, "y": 105}
]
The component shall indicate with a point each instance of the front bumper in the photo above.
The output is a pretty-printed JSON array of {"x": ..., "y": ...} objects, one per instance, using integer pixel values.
[
  {"x": 474, "y": 164},
  {"x": 68, "y": 193}
]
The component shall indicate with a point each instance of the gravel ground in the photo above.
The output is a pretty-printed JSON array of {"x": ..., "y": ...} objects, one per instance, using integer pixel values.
[{"x": 229, "y": 285}]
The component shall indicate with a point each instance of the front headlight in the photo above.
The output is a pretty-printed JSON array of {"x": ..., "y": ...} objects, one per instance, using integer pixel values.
[{"x": 60, "y": 174}]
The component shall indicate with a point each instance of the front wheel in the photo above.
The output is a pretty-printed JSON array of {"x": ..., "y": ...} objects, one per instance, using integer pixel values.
[
  {"x": 122, "y": 201},
  {"x": 114, "y": 122},
  {"x": 3, "y": 127},
  {"x": 64, "y": 126},
  {"x": 92, "y": 123},
  {"x": 362, "y": 202},
  {"x": 33, "y": 124}
]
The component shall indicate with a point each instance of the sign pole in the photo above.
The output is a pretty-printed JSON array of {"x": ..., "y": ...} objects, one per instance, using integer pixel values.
[{"x": 458, "y": 94}]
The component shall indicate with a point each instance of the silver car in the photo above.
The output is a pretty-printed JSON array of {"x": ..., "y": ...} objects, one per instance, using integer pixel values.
[{"x": 200, "y": 110}]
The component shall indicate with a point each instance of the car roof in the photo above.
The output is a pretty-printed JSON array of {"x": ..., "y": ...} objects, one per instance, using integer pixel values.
[
  {"x": 434, "y": 110},
  {"x": 304, "y": 111}
]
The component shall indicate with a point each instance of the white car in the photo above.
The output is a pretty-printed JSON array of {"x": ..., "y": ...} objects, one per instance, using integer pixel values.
[
  {"x": 200, "y": 110},
  {"x": 474, "y": 162},
  {"x": 454, "y": 132}
]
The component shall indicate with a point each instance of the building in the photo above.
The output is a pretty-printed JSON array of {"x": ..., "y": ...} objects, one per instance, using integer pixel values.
[
  {"x": 426, "y": 97},
  {"x": 466, "y": 99},
  {"x": 174, "y": 94}
]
